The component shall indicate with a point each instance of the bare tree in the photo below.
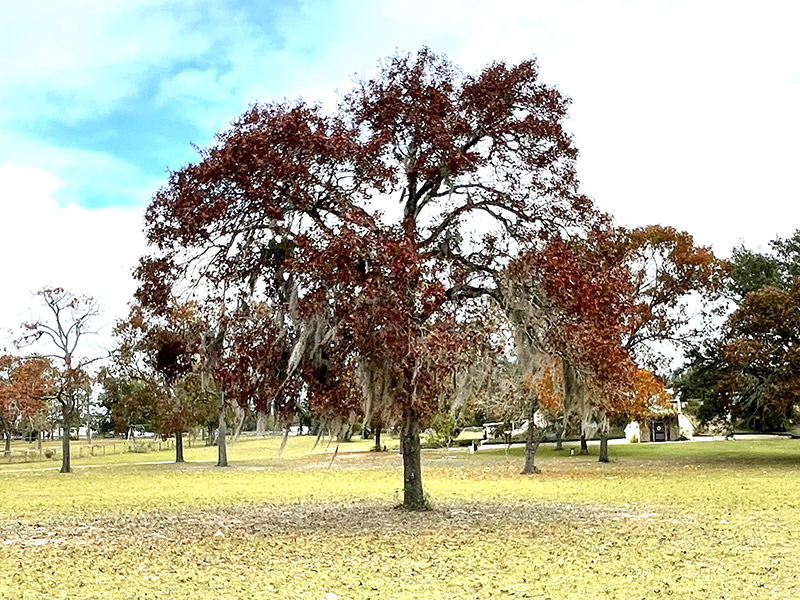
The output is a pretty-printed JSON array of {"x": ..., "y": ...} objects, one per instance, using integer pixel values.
[{"x": 68, "y": 319}]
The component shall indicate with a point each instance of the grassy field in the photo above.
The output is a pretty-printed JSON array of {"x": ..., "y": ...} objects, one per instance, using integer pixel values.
[{"x": 690, "y": 520}]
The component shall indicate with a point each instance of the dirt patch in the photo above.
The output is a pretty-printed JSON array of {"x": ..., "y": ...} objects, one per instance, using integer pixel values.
[{"x": 339, "y": 519}]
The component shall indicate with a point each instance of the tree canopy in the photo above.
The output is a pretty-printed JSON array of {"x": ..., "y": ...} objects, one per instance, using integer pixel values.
[
  {"x": 749, "y": 371},
  {"x": 372, "y": 230}
]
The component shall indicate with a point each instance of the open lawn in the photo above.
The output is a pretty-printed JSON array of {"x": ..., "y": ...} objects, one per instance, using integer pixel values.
[{"x": 691, "y": 520}]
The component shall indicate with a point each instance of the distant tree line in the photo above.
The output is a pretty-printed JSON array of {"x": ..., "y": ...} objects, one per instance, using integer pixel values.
[{"x": 748, "y": 373}]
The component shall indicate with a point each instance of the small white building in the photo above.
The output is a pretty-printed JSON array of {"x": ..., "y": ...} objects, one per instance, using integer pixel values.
[{"x": 663, "y": 426}]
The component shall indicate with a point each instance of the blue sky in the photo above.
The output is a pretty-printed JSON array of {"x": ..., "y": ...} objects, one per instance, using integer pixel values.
[
  {"x": 685, "y": 112},
  {"x": 134, "y": 82}
]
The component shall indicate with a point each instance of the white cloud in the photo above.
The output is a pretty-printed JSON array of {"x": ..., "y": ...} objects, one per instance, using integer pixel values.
[
  {"x": 685, "y": 113},
  {"x": 44, "y": 244},
  {"x": 79, "y": 169},
  {"x": 74, "y": 60}
]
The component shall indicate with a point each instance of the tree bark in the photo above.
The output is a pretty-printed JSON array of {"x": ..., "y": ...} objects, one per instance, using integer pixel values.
[
  {"x": 560, "y": 437},
  {"x": 285, "y": 439},
  {"x": 179, "y": 447},
  {"x": 66, "y": 464},
  {"x": 261, "y": 423},
  {"x": 584, "y": 444},
  {"x": 222, "y": 448},
  {"x": 413, "y": 494},
  {"x": 604, "y": 439},
  {"x": 7, "y": 452},
  {"x": 377, "y": 447},
  {"x": 39, "y": 440},
  {"x": 345, "y": 434},
  {"x": 531, "y": 442},
  {"x": 240, "y": 416}
]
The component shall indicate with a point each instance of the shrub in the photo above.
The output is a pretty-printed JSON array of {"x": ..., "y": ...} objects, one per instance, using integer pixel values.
[{"x": 442, "y": 431}]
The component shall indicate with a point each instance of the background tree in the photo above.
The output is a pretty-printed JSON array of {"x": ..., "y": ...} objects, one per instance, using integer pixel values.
[
  {"x": 676, "y": 284},
  {"x": 696, "y": 383},
  {"x": 618, "y": 297},
  {"x": 68, "y": 320},
  {"x": 787, "y": 251},
  {"x": 25, "y": 385},
  {"x": 160, "y": 349},
  {"x": 737, "y": 373},
  {"x": 573, "y": 300},
  {"x": 752, "y": 271},
  {"x": 760, "y": 384},
  {"x": 127, "y": 400}
]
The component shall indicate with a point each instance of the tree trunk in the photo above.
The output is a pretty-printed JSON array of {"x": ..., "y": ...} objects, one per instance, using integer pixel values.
[
  {"x": 345, "y": 434},
  {"x": 377, "y": 447},
  {"x": 66, "y": 464},
  {"x": 604, "y": 439},
  {"x": 88, "y": 431},
  {"x": 261, "y": 423},
  {"x": 413, "y": 495},
  {"x": 39, "y": 441},
  {"x": 222, "y": 448},
  {"x": 7, "y": 452},
  {"x": 584, "y": 444},
  {"x": 285, "y": 439},
  {"x": 560, "y": 437},
  {"x": 531, "y": 442},
  {"x": 179, "y": 447},
  {"x": 240, "y": 416}
]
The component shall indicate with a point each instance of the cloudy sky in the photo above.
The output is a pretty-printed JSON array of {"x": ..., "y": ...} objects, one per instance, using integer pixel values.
[{"x": 685, "y": 113}]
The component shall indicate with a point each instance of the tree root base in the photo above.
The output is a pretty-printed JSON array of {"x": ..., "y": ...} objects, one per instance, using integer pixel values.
[{"x": 534, "y": 471}]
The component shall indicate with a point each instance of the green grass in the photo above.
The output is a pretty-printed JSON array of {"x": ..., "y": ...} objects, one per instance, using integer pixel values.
[
  {"x": 692, "y": 520},
  {"x": 246, "y": 450}
]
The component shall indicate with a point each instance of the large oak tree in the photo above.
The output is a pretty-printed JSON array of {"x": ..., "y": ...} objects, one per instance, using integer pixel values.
[{"x": 394, "y": 212}]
